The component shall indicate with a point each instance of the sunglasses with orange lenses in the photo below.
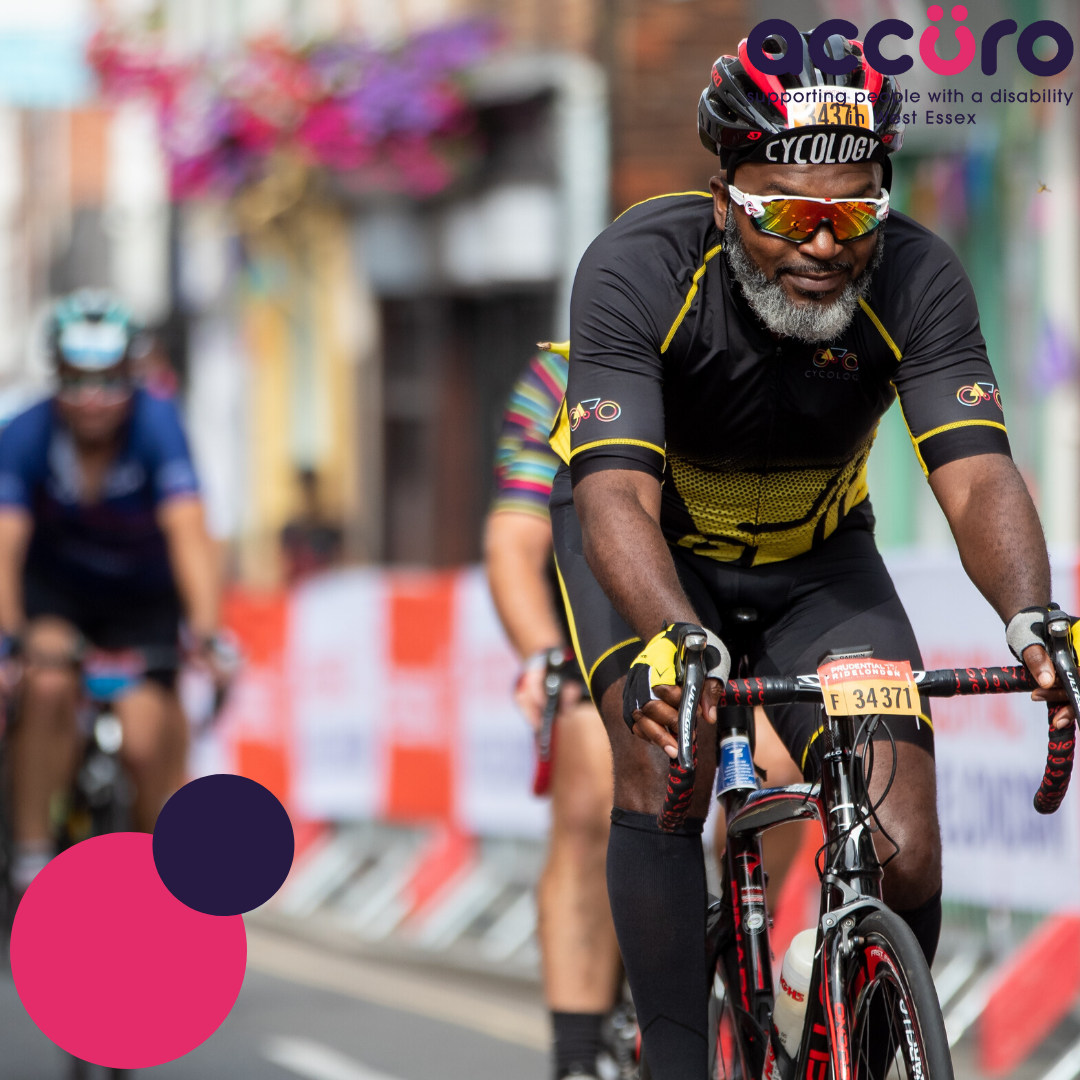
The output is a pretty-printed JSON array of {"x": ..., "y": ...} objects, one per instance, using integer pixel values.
[{"x": 798, "y": 218}]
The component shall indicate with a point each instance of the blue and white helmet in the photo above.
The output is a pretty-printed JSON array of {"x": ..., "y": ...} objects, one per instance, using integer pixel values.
[{"x": 90, "y": 330}]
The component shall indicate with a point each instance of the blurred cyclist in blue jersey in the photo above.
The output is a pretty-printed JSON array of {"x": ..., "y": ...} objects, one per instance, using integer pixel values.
[{"x": 102, "y": 541}]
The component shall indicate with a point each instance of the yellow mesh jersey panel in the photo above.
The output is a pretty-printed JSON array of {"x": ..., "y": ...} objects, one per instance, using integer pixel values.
[{"x": 779, "y": 511}]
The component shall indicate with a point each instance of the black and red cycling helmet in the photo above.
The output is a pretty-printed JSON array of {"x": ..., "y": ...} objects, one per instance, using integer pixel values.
[{"x": 744, "y": 109}]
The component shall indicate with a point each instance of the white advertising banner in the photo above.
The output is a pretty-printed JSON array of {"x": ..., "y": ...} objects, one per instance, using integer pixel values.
[
  {"x": 990, "y": 750},
  {"x": 336, "y": 675},
  {"x": 496, "y": 760},
  {"x": 400, "y": 688}
]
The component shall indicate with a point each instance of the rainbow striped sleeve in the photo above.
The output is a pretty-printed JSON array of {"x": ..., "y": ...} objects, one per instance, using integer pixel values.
[{"x": 524, "y": 463}]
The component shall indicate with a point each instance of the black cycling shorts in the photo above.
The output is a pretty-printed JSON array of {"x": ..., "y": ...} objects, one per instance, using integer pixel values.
[
  {"x": 837, "y": 595},
  {"x": 120, "y": 621}
]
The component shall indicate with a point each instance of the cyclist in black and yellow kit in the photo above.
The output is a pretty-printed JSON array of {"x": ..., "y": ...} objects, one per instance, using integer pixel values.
[{"x": 732, "y": 353}]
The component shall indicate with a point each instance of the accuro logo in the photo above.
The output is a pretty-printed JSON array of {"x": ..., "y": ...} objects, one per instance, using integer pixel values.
[
  {"x": 791, "y": 62},
  {"x": 602, "y": 410},
  {"x": 834, "y": 363},
  {"x": 979, "y": 392}
]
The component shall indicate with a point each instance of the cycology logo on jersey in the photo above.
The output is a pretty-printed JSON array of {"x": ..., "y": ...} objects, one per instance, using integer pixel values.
[
  {"x": 602, "y": 410},
  {"x": 977, "y": 393},
  {"x": 835, "y": 363}
]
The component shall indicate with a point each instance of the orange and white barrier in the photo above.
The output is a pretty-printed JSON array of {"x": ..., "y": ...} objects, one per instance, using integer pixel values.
[
  {"x": 383, "y": 694},
  {"x": 386, "y": 694}
]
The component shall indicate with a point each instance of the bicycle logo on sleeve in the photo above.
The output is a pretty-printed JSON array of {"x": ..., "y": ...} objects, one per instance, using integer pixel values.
[
  {"x": 978, "y": 392},
  {"x": 605, "y": 411}
]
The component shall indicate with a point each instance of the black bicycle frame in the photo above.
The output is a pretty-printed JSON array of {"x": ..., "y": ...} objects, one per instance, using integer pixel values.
[
  {"x": 853, "y": 879},
  {"x": 852, "y": 872}
]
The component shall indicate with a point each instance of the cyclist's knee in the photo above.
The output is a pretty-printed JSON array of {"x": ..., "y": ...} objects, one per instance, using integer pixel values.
[
  {"x": 50, "y": 679},
  {"x": 144, "y": 714},
  {"x": 909, "y": 814},
  {"x": 915, "y": 874},
  {"x": 582, "y": 789},
  {"x": 641, "y": 769},
  {"x": 581, "y": 822}
]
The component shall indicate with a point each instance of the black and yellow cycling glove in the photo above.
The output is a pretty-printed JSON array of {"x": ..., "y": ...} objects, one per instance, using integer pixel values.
[{"x": 655, "y": 666}]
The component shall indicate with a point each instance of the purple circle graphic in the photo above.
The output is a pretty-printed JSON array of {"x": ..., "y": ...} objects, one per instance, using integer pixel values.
[{"x": 223, "y": 844}]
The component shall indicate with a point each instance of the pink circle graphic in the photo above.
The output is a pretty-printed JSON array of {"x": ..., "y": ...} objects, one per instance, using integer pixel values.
[{"x": 112, "y": 967}]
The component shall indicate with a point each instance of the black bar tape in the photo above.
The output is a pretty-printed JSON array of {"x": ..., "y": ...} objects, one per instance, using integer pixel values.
[{"x": 1059, "y": 764}]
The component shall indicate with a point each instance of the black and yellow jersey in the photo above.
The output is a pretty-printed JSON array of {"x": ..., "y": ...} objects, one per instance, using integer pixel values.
[{"x": 762, "y": 443}]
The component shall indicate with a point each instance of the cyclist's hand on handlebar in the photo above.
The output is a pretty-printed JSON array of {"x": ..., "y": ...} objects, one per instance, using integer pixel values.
[
  {"x": 530, "y": 695},
  {"x": 1040, "y": 665},
  {"x": 656, "y": 720},
  {"x": 651, "y": 697},
  {"x": 1026, "y": 635},
  {"x": 220, "y": 655}
]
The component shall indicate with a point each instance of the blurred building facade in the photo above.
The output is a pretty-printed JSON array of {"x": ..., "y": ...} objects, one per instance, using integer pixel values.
[{"x": 371, "y": 341}]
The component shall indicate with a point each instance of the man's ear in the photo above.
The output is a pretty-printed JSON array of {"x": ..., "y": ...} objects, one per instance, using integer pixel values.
[{"x": 721, "y": 202}]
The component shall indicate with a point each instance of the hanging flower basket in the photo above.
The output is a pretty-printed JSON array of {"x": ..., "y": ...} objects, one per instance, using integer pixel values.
[{"x": 380, "y": 119}]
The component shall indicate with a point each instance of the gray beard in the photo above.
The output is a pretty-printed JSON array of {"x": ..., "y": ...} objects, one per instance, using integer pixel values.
[{"x": 811, "y": 321}]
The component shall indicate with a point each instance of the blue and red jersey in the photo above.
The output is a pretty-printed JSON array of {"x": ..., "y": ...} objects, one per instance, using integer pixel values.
[{"x": 113, "y": 543}]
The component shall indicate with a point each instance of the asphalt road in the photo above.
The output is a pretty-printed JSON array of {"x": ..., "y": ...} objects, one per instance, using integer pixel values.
[{"x": 305, "y": 1012}]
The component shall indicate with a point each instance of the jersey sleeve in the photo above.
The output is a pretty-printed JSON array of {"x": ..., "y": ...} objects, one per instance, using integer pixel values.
[
  {"x": 948, "y": 391},
  {"x": 525, "y": 464},
  {"x": 172, "y": 471},
  {"x": 23, "y": 449},
  {"x": 613, "y": 415}
]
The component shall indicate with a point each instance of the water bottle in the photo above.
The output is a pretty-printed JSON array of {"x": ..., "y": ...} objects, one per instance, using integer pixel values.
[{"x": 790, "y": 1006}]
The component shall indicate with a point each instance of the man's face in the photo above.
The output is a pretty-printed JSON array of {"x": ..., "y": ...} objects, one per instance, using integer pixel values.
[
  {"x": 94, "y": 405},
  {"x": 814, "y": 272}
]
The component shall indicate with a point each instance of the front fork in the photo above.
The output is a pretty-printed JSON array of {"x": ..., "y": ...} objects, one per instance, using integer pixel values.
[{"x": 852, "y": 887}]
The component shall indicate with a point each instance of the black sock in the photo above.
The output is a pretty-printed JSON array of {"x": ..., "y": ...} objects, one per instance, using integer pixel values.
[
  {"x": 577, "y": 1042},
  {"x": 925, "y": 923},
  {"x": 656, "y": 883}
]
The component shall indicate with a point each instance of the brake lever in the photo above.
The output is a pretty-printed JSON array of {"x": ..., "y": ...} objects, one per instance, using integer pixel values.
[
  {"x": 1058, "y": 627},
  {"x": 553, "y": 681},
  {"x": 690, "y": 669},
  {"x": 682, "y": 769},
  {"x": 1062, "y": 743}
]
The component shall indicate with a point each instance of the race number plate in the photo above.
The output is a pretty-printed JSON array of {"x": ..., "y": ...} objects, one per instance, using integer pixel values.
[
  {"x": 829, "y": 105},
  {"x": 859, "y": 687}
]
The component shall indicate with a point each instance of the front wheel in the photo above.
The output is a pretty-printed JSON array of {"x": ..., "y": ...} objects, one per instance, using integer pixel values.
[{"x": 896, "y": 1028}]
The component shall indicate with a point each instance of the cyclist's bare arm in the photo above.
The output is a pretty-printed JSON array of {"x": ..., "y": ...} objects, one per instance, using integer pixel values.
[
  {"x": 517, "y": 548},
  {"x": 16, "y": 526},
  {"x": 194, "y": 561},
  {"x": 619, "y": 510},
  {"x": 999, "y": 538}
]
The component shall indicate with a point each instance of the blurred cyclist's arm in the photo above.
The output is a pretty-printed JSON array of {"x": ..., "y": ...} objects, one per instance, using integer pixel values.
[
  {"x": 193, "y": 561},
  {"x": 517, "y": 548},
  {"x": 16, "y": 526},
  {"x": 999, "y": 538}
]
